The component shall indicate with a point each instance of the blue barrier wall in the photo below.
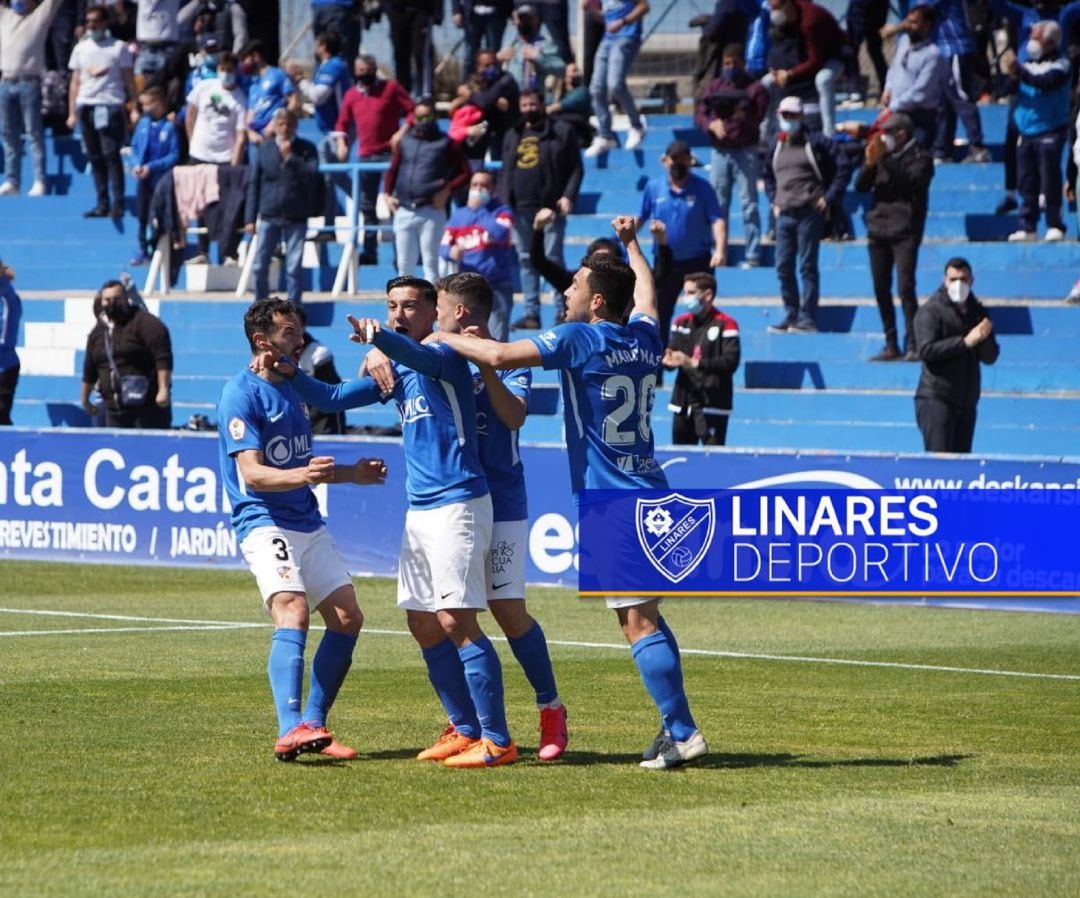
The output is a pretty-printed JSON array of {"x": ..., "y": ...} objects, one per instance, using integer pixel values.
[{"x": 119, "y": 496}]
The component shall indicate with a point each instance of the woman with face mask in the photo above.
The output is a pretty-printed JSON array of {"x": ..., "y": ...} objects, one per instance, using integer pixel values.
[{"x": 955, "y": 336}]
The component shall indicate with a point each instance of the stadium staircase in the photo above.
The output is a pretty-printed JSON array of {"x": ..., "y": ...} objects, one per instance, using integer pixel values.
[{"x": 807, "y": 392}]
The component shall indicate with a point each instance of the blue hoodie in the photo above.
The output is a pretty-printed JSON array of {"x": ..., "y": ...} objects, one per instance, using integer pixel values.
[
  {"x": 10, "y": 314},
  {"x": 155, "y": 144}
]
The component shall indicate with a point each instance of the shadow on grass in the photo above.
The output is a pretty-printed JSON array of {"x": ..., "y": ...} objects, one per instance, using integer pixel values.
[{"x": 723, "y": 761}]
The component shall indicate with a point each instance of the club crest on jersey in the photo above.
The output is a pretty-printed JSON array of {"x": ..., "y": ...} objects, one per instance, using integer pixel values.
[
  {"x": 675, "y": 533},
  {"x": 236, "y": 428}
]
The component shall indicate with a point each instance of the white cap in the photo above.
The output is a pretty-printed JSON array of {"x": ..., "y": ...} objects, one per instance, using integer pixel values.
[{"x": 790, "y": 106}]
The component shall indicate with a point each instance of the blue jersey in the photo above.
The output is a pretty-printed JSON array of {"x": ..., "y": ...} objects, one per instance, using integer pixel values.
[
  {"x": 499, "y": 447},
  {"x": 689, "y": 214},
  {"x": 266, "y": 95},
  {"x": 334, "y": 75},
  {"x": 438, "y": 418},
  {"x": 620, "y": 9},
  {"x": 609, "y": 374},
  {"x": 256, "y": 414}
]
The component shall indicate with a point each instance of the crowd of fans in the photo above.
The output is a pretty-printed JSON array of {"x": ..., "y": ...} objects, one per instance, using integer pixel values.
[{"x": 192, "y": 95}]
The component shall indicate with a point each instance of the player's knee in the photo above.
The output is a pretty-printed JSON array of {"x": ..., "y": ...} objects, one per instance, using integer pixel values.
[
  {"x": 511, "y": 616},
  {"x": 289, "y": 610}
]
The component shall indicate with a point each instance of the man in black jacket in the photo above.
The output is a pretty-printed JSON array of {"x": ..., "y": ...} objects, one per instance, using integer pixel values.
[
  {"x": 541, "y": 169},
  {"x": 704, "y": 347},
  {"x": 283, "y": 188},
  {"x": 897, "y": 172},
  {"x": 954, "y": 335}
]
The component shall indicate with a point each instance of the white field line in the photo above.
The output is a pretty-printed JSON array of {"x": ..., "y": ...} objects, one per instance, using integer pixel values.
[{"x": 565, "y": 643}]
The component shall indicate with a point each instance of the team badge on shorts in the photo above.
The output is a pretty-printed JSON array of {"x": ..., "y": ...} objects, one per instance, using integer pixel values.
[
  {"x": 236, "y": 428},
  {"x": 675, "y": 533},
  {"x": 285, "y": 572}
]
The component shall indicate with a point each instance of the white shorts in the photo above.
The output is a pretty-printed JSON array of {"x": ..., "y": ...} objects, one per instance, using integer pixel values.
[
  {"x": 290, "y": 561},
  {"x": 443, "y": 555},
  {"x": 506, "y": 560},
  {"x": 630, "y": 601}
]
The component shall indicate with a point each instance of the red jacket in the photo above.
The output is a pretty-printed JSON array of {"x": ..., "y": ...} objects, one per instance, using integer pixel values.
[
  {"x": 822, "y": 37},
  {"x": 374, "y": 115}
]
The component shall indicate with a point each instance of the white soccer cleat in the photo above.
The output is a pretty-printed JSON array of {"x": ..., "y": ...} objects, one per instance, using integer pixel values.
[
  {"x": 675, "y": 754},
  {"x": 634, "y": 138},
  {"x": 600, "y": 145}
]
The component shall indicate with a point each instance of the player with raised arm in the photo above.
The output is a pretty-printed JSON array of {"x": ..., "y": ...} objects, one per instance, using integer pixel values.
[
  {"x": 441, "y": 571},
  {"x": 269, "y": 470},
  {"x": 609, "y": 375}
]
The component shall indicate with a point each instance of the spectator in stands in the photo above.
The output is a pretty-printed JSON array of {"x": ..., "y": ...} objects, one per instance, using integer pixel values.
[
  {"x": 23, "y": 29},
  {"x": 227, "y": 20},
  {"x": 728, "y": 24},
  {"x": 541, "y": 168},
  {"x": 864, "y": 21},
  {"x": 532, "y": 55},
  {"x": 916, "y": 79},
  {"x": 897, "y": 172},
  {"x": 805, "y": 55},
  {"x": 10, "y": 314},
  {"x": 484, "y": 23},
  {"x": 704, "y": 348},
  {"x": 101, "y": 85},
  {"x": 217, "y": 135},
  {"x": 270, "y": 90},
  {"x": 155, "y": 149},
  {"x": 1041, "y": 117},
  {"x": 329, "y": 83},
  {"x": 336, "y": 17},
  {"x": 731, "y": 110},
  {"x": 373, "y": 111},
  {"x": 573, "y": 106},
  {"x": 494, "y": 94},
  {"x": 556, "y": 274},
  {"x": 411, "y": 24},
  {"x": 954, "y": 335},
  {"x": 425, "y": 169},
  {"x": 129, "y": 360},
  {"x": 157, "y": 35},
  {"x": 804, "y": 174},
  {"x": 316, "y": 360},
  {"x": 616, "y": 54},
  {"x": 479, "y": 238},
  {"x": 686, "y": 203},
  {"x": 284, "y": 187}
]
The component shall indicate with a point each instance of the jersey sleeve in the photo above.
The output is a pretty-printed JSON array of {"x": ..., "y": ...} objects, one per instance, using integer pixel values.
[
  {"x": 566, "y": 346},
  {"x": 241, "y": 421},
  {"x": 519, "y": 382}
]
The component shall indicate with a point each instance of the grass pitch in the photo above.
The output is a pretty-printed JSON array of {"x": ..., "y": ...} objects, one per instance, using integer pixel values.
[{"x": 137, "y": 759}]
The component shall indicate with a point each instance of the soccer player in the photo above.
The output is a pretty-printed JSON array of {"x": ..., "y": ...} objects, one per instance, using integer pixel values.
[
  {"x": 502, "y": 400},
  {"x": 269, "y": 469},
  {"x": 441, "y": 571},
  {"x": 609, "y": 378}
]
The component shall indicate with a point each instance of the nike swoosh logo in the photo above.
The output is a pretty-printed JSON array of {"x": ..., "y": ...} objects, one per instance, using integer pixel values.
[
  {"x": 495, "y": 586},
  {"x": 275, "y": 418},
  {"x": 447, "y": 594}
]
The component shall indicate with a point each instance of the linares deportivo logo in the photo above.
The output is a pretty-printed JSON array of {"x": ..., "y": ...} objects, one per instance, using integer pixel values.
[{"x": 675, "y": 533}]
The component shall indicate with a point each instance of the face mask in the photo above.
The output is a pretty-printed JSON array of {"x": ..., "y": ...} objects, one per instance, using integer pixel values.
[
  {"x": 117, "y": 311},
  {"x": 1034, "y": 49},
  {"x": 790, "y": 125},
  {"x": 958, "y": 291},
  {"x": 730, "y": 72},
  {"x": 526, "y": 30},
  {"x": 481, "y": 197},
  {"x": 679, "y": 170},
  {"x": 889, "y": 141},
  {"x": 96, "y": 34},
  {"x": 426, "y": 129},
  {"x": 778, "y": 17},
  {"x": 247, "y": 68},
  {"x": 19, "y": 7},
  {"x": 491, "y": 73},
  {"x": 228, "y": 81},
  {"x": 534, "y": 116},
  {"x": 577, "y": 80},
  {"x": 366, "y": 79},
  {"x": 691, "y": 302}
]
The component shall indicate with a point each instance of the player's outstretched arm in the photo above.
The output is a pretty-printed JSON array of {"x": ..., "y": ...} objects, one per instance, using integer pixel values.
[
  {"x": 422, "y": 359},
  {"x": 366, "y": 472},
  {"x": 519, "y": 354},
  {"x": 644, "y": 287}
]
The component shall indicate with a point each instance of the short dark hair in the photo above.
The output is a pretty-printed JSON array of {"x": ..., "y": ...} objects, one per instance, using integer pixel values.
[
  {"x": 613, "y": 279},
  {"x": 471, "y": 288},
  {"x": 702, "y": 280},
  {"x": 97, "y": 8},
  {"x": 426, "y": 289},
  {"x": 259, "y": 318},
  {"x": 330, "y": 40},
  {"x": 253, "y": 46},
  {"x": 112, "y": 282},
  {"x": 528, "y": 92},
  {"x": 153, "y": 93},
  {"x": 733, "y": 49},
  {"x": 959, "y": 262},
  {"x": 605, "y": 244}
]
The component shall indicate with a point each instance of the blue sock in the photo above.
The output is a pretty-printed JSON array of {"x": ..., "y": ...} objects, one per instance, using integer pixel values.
[
  {"x": 447, "y": 675},
  {"x": 484, "y": 675},
  {"x": 328, "y": 668},
  {"x": 285, "y": 668},
  {"x": 531, "y": 651},
  {"x": 658, "y": 664},
  {"x": 672, "y": 641}
]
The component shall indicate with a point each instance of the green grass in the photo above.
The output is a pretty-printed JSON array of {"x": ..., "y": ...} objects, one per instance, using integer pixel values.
[{"x": 140, "y": 763}]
